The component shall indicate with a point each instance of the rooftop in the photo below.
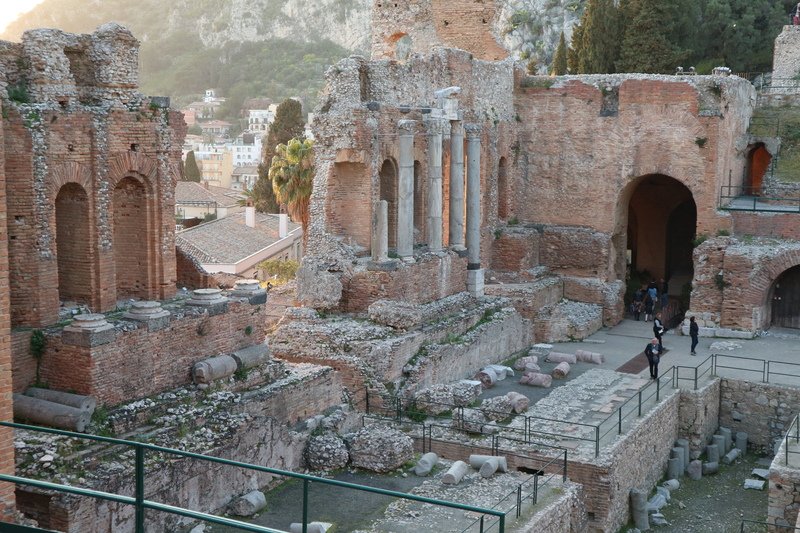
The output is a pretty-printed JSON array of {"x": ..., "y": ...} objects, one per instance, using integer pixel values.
[
  {"x": 229, "y": 240},
  {"x": 191, "y": 192}
]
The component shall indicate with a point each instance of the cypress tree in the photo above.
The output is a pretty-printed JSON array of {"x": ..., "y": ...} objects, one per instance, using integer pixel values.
[
  {"x": 600, "y": 38},
  {"x": 574, "y": 52},
  {"x": 191, "y": 172},
  {"x": 559, "y": 67},
  {"x": 288, "y": 125},
  {"x": 646, "y": 46}
]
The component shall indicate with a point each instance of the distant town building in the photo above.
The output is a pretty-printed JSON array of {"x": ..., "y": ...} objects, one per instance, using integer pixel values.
[
  {"x": 201, "y": 201},
  {"x": 246, "y": 149},
  {"x": 259, "y": 120},
  {"x": 216, "y": 127},
  {"x": 244, "y": 177}
]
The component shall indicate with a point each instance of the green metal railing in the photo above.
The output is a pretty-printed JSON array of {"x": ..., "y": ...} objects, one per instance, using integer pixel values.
[
  {"x": 753, "y": 526},
  {"x": 141, "y": 504},
  {"x": 792, "y": 437}
]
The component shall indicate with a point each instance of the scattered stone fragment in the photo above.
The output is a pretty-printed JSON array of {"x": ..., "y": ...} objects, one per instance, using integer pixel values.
[
  {"x": 655, "y": 503},
  {"x": 522, "y": 363},
  {"x": 558, "y": 357},
  {"x": 710, "y": 468},
  {"x": 487, "y": 377},
  {"x": 561, "y": 370},
  {"x": 249, "y": 504},
  {"x": 426, "y": 464},
  {"x": 589, "y": 357},
  {"x": 658, "y": 519},
  {"x": 695, "y": 470},
  {"x": 535, "y": 379},
  {"x": 502, "y": 371},
  {"x": 379, "y": 448},
  {"x": 761, "y": 472},
  {"x": 519, "y": 402},
  {"x": 311, "y": 527},
  {"x": 731, "y": 456},
  {"x": 497, "y": 408},
  {"x": 755, "y": 484},
  {"x": 639, "y": 509},
  {"x": 456, "y": 473},
  {"x": 672, "y": 484},
  {"x": 540, "y": 350},
  {"x": 326, "y": 452}
]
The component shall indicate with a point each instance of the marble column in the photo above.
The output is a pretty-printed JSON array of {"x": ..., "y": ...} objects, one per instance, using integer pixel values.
[
  {"x": 475, "y": 273},
  {"x": 434, "y": 204},
  {"x": 457, "y": 185},
  {"x": 380, "y": 232},
  {"x": 405, "y": 189}
]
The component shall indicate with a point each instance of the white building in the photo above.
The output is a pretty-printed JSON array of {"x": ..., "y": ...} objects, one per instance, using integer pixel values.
[
  {"x": 259, "y": 120},
  {"x": 246, "y": 149}
]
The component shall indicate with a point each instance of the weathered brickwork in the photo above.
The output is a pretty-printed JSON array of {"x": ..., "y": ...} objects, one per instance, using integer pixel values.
[
  {"x": 6, "y": 435},
  {"x": 93, "y": 170},
  {"x": 699, "y": 415},
  {"x": 140, "y": 363}
]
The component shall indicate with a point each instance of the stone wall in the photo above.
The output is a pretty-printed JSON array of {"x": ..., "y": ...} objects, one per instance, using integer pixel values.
[
  {"x": 93, "y": 169},
  {"x": 784, "y": 489},
  {"x": 761, "y": 410},
  {"x": 775, "y": 225},
  {"x": 699, "y": 414},
  {"x": 138, "y": 363},
  {"x": 264, "y": 440},
  {"x": 565, "y": 515},
  {"x": 786, "y": 60},
  {"x": 399, "y": 29},
  {"x": 6, "y": 434}
]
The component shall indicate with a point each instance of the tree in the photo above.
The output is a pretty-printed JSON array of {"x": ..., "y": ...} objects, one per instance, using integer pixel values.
[
  {"x": 559, "y": 66},
  {"x": 600, "y": 38},
  {"x": 191, "y": 172},
  {"x": 292, "y": 175},
  {"x": 288, "y": 125},
  {"x": 646, "y": 46},
  {"x": 574, "y": 52}
]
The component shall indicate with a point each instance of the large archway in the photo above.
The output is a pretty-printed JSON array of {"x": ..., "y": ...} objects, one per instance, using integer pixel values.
[
  {"x": 785, "y": 299},
  {"x": 132, "y": 259},
  {"x": 662, "y": 219},
  {"x": 73, "y": 244}
]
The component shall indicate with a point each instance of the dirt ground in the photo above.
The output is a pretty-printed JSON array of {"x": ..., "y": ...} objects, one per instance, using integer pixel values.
[{"x": 718, "y": 503}]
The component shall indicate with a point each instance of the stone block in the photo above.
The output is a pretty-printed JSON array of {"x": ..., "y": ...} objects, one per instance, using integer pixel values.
[
  {"x": 726, "y": 333},
  {"x": 754, "y": 484}
]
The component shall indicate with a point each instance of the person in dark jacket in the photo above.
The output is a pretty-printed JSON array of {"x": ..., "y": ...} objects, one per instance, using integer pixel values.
[
  {"x": 694, "y": 332},
  {"x": 658, "y": 331},
  {"x": 653, "y": 354}
]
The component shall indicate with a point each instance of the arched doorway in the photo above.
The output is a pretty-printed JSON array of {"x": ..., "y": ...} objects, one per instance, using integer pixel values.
[
  {"x": 388, "y": 192},
  {"x": 758, "y": 161},
  {"x": 131, "y": 230},
  {"x": 785, "y": 295},
  {"x": 662, "y": 219},
  {"x": 73, "y": 244}
]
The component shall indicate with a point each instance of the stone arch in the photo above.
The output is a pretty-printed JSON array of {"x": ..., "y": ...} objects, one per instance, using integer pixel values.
[
  {"x": 655, "y": 224},
  {"x": 388, "y": 192},
  {"x": 73, "y": 243},
  {"x": 503, "y": 208},
  {"x": 760, "y": 289},
  {"x": 69, "y": 172},
  {"x": 132, "y": 223},
  {"x": 758, "y": 162},
  {"x": 133, "y": 163}
]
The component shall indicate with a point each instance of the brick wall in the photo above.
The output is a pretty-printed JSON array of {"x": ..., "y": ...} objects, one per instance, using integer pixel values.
[
  {"x": 782, "y": 226},
  {"x": 6, "y": 435},
  {"x": 699, "y": 415},
  {"x": 784, "y": 490},
  {"x": 139, "y": 363},
  {"x": 190, "y": 273}
]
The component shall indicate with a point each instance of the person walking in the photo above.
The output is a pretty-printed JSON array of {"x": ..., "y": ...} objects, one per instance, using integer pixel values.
[
  {"x": 638, "y": 303},
  {"x": 694, "y": 332},
  {"x": 653, "y": 354},
  {"x": 649, "y": 305},
  {"x": 652, "y": 292},
  {"x": 658, "y": 331}
]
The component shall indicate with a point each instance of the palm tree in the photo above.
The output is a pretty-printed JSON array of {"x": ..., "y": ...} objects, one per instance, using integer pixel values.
[{"x": 292, "y": 176}]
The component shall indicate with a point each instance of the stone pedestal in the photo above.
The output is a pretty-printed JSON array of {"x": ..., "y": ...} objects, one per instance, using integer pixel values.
[
  {"x": 149, "y": 313},
  {"x": 250, "y": 289},
  {"x": 475, "y": 282},
  {"x": 210, "y": 299},
  {"x": 88, "y": 330}
]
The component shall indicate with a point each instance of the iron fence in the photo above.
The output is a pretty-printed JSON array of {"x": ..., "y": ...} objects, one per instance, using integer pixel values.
[
  {"x": 755, "y": 526},
  {"x": 141, "y": 504}
]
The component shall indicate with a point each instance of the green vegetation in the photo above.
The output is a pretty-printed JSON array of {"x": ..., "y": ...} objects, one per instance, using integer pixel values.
[
  {"x": 282, "y": 271},
  {"x": 191, "y": 172},
  {"x": 38, "y": 345},
  {"x": 783, "y": 122},
  {"x": 559, "y": 66},
  {"x": 292, "y": 176}
]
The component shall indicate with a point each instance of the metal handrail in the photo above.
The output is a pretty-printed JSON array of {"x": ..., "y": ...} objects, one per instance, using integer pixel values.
[
  {"x": 770, "y": 527},
  {"x": 141, "y": 504},
  {"x": 794, "y": 427}
]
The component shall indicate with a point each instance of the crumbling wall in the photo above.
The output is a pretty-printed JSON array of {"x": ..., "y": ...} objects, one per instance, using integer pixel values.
[
  {"x": 81, "y": 135},
  {"x": 699, "y": 414},
  {"x": 785, "y": 59}
]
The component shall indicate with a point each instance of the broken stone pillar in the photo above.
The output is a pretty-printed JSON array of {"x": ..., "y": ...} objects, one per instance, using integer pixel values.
[
  {"x": 250, "y": 289},
  {"x": 456, "y": 473},
  {"x": 249, "y": 504},
  {"x": 88, "y": 330},
  {"x": 719, "y": 442},
  {"x": 380, "y": 232},
  {"x": 405, "y": 189},
  {"x": 78, "y": 401},
  {"x": 213, "y": 368},
  {"x": 535, "y": 379},
  {"x": 487, "y": 377},
  {"x": 426, "y": 464},
  {"x": 251, "y": 357},
  {"x": 519, "y": 402},
  {"x": 639, "y": 510},
  {"x": 434, "y": 205},
  {"x": 211, "y": 299},
  {"x": 741, "y": 441},
  {"x": 731, "y": 456},
  {"x": 726, "y": 432},
  {"x": 695, "y": 470},
  {"x": 456, "y": 185},
  {"x": 149, "y": 313},
  {"x": 712, "y": 453},
  {"x": 487, "y": 465},
  {"x": 561, "y": 370},
  {"x": 474, "y": 271},
  {"x": 683, "y": 443},
  {"x": 674, "y": 468},
  {"x": 38, "y": 411},
  {"x": 710, "y": 468},
  {"x": 558, "y": 357},
  {"x": 311, "y": 527},
  {"x": 589, "y": 357}
]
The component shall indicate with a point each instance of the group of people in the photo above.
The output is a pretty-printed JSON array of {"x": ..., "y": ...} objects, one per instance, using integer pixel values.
[{"x": 648, "y": 297}]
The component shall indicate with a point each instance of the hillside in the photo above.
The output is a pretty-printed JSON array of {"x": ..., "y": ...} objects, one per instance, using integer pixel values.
[{"x": 275, "y": 48}]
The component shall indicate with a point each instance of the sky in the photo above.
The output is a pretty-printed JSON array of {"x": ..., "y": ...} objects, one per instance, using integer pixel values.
[{"x": 11, "y": 9}]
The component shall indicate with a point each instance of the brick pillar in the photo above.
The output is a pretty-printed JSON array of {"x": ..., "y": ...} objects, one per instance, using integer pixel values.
[{"x": 6, "y": 435}]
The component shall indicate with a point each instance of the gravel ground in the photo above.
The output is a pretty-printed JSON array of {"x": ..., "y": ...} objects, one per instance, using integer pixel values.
[{"x": 716, "y": 504}]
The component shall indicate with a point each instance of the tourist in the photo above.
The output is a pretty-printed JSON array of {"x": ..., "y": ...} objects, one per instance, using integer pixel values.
[
  {"x": 638, "y": 303},
  {"x": 694, "y": 332},
  {"x": 658, "y": 330},
  {"x": 652, "y": 291},
  {"x": 649, "y": 306},
  {"x": 653, "y": 354},
  {"x": 664, "y": 293}
]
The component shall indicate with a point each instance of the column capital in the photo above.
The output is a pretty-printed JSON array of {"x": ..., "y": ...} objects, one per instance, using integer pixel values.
[
  {"x": 435, "y": 126},
  {"x": 473, "y": 130},
  {"x": 407, "y": 127},
  {"x": 456, "y": 127}
]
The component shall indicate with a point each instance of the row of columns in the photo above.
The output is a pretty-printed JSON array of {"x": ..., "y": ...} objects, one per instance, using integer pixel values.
[{"x": 405, "y": 195}]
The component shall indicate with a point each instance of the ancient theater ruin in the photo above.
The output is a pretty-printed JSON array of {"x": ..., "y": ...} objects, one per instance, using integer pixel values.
[{"x": 470, "y": 226}]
